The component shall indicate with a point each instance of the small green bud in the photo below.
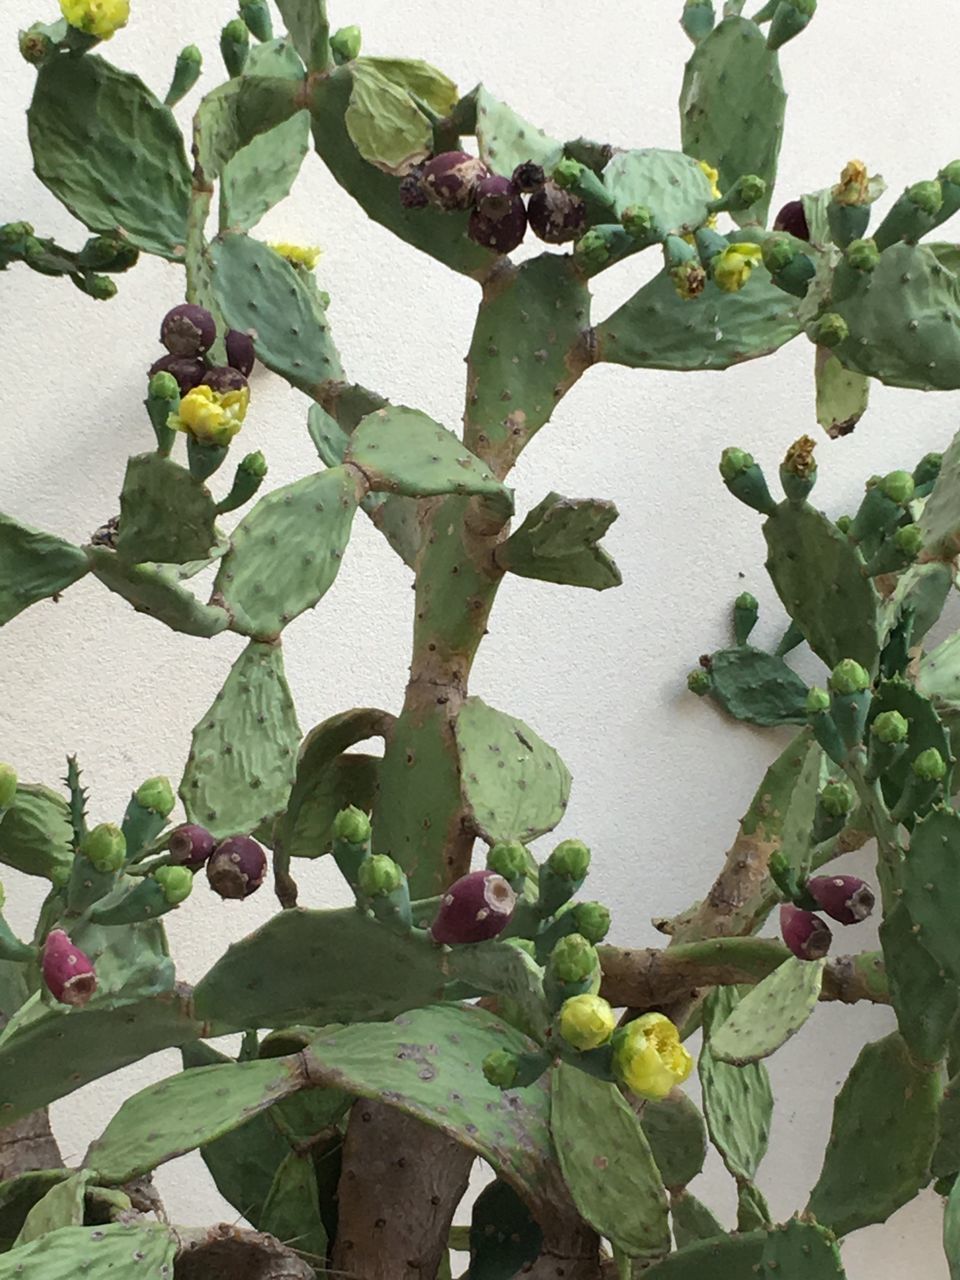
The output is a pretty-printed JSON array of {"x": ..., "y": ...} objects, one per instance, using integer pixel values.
[
  {"x": 844, "y": 523},
  {"x": 573, "y": 959},
  {"x": 106, "y": 847},
  {"x": 699, "y": 682},
  {"x": 830, "y": 330},
  {"x": 254, "y": 464},
  {"x": 190, "y": 53},
  {"x": 352, "y": 826},
  {"x": 508, "y": 858},
  {"x": 107, "y": 253},
  {"x": 863, "y": 255},
  {"x": 592, "y": 920},
  {"x": 570, "y": 860},
  {"x": 176, "y": 883},
  {"x": 929, "y": 766},
  {"x": 163, "y": 386},
  {"x": 733, "y": 462},
  {"x": 817, "y": 700},
  {"x": 567, "y": 172},
  {"x": 500, "y": 1069},
  {"x": 256, "y": 15},
  {"x": 890, "y": 727},
  {"x": 346, "y": 43},
  {"x": 927, "y": 469},
  {"x": 848, "y": 677},
  {"x": 778, "y": 253},
  {"x": 14, "y": 233},
  {"x": 157, "y": 795},
  {"x": 100, "y": 288},
  {"x": 837, "y": 799},
  {"x": 927, "y": 196},
  {"x": 8, "y": 785},
  {"x": 898, "y": 486},
  {"x": 746, "y": 601},
  {"x": 36, "y": 46},
  {"x": 379, "y": 876},
  {"x": 638, "y": 221},
  {"x": 950, "y": 173},
  {"x": 186, "y": 73},
  {"x": 592, "y": 249},
  {"x": 909, "y": 540},
  {"x": 235, "y": 45},
  {"x": 750, "y": 188}
]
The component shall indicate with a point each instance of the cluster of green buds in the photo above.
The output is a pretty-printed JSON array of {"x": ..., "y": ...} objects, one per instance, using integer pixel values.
[{"x": 89, "y": 268}]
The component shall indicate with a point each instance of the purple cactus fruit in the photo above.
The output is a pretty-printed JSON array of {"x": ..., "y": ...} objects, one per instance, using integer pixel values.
[
  {"x": 846, "y": 899},
  {"x": 494, "y": 197},
  {"x": 67, "y": 972},
  {"x": 793, "y": 220},
  {"x": 222, "y": 379},
  {"x": 528, "y": 177},
  {"x": 555, "y": 215},
  {"x": 412, "y": 194},
  {"x": 501, "y": 234},
  {"x": 190, "y": 846},
  {"x": 188, "y": 330},
  {"x": 240, "y": 351},
  {"x": 237, "y": 867},
  {"x": 450, "y": 179},
  {"x": 474, "y": 908},
  {"x": 187, "y": 370},
  {"x": 807, "y": 936}
]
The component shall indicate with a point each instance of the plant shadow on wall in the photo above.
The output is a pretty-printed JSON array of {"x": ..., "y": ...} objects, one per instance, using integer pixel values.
[{"x": 454, "y": 1013}]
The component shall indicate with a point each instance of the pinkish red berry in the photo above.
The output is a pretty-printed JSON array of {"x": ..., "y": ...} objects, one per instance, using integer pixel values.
[
  {"x": 793, "y": 219},
  {"x": 476, "y": 907},
  {"x": 190, "y": 846},
  {"x": 847, "y": 899},
  {"x": 67, "y": 971},
  {"x": 237, "y": 867},
  {"x": 807, "y": 936}
]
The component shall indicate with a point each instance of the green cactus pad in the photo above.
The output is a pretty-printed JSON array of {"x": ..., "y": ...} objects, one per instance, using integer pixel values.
[
  {"x": 770, "y": 1013},
  {"x": 404, "y": 451},
  {"x": 260, "y": 293},
  {"x": 558, "y": 541},
  {"x": 757, "y": 687},
  {"x": 309, "y": 29},
  {"x": 607, "y": 1163},
  {"x": 752, "y": 1209},
  {"x": 657, "y": 329},
  {"x": 515, "y": 786},
  {"x": 926, "y": 731},
  {"x": 732, "y": 107},
  {"x": 504, "y": 1238},
  {"x": 231, "y": 116},
  {"x": 132, "y": 963},
  {"x": 261, "y": 174},
  {"x": 97, "y": 1253},
  {"x": 166, "y": 514},
  {"x": 737, "y": 1101},
  {"x": 882, "y": 1139},
  {"x": 951, "y": 1232},
  {"x": 18, "y": 1196},
  {"x": 677, "y": 1137},
  {"x": 692, "y": 1221},
  {"x": 286, "y": 552},
  {"x": 930, "y": 883},
  {"x": 269, "y": 979},
  {"x": 179, "y": 1114},
  {"x": 939, "y": 674},
  {"x": 842, "y": 394},
  {"x": 384, "y": 122},
  {"x": 946, "y": 1156},
  {"x": 419, "y": 79},
  {"x": 508, "y": 972},
  {"x": 814, "y": 568},
  {"x": 95, "y": 1042},
  {"x": 923, "y": 588},
  {"x": 924, "y": 999},
  {"x": 425, "y": 1063},
  {"x": 34, "y": 566},
  {"x": 505, "y": 139},
  {"x": 36, "y": 834},
  {"x": 157, "y": 590},
  {"x": 442, "y": 235},
  {"x": 62, "y": 1206},
  {"x": 940, "y": 520},
  {"x": 733, "y": 1257},
  {"x": 802, "y": 1251},
  {"x": 668, "y": 183},
  {"x": 106, "y": 148},
  {"x": 291, "y": 1211},
  {"x": 243, "y": 750}
]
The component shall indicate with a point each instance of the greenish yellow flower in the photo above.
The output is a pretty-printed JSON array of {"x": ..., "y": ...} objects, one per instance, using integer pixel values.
[
  {"x": 854, "y": 184},
  {"x": 298, "y": 255},
  {"x": 586, "y": 1022},
  {"x": 649, "y": 1058},
  {"x": 211, "y": 417},
  {"x": 732, "y": 267},
  {"x": 100, "y": 18},
  {"x": 713, "y": 177}
]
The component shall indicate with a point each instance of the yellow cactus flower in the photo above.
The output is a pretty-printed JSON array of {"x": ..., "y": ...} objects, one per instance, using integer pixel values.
[
  {"x": 586, "y": 1022},
  {"x": 100, "y": 18},
  {"x": 298, "y": 255},
  {"x": 732, "y": 267},
  {"x": 211, "y": 417},
  {"x": 649, "y": 1058},
  {"x": 854, "y": 184},
  {"x": 713, "y": 177}
]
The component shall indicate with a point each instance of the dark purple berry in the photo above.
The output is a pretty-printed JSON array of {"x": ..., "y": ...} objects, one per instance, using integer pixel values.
[
  {"x": 500, "y": 234},
  {"x": 476, "y": 907},
  {"x": 528, "y": 177},
  {"x": 237, "y": 867},
  {"x": 223, "y": 379},
  {"x": 846, "y": 899},
  {"x": 240, "y": 352},
  {"x": 412, "y": 194},
  {"x": 450, "y": 179},
  {"x": 188, "y": 330},
  {"x": 793, "y": 219},
  {"x": 555, "y": 215},
  {"x": 494, "y": 197},
  {"x": 807, "y": 936},
  {"x": 190, "y": 846},
  {"x": 188, "y": 370}
]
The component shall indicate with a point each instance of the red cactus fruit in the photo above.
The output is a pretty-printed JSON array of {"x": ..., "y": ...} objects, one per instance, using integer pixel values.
[
  {"x": 846, "y": 899},
  {"x": 67, "y": 971},
  {"x": 190, "y": 846},
  {"x": 237, "y": 867},
  {"x": 188, "y": 330},
  {"x": 450, "y": 179},
  {"x": 476, "y": 907},
  {"x": 807, "y": 936}
]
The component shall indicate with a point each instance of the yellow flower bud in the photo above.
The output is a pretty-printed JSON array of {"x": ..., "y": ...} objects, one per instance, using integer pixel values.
[
  {"x": 298, "y": 255},
  {"x": 854, "y": 184},
  {"x": 210, "y": 416},
  {"x": 649, "y": 1058},
  {"x": 100, "y": 18},
  {"x": 586, "y": 1022},
  {"x": 732, "y": 267},
  {"x": 713, "y": 177}
]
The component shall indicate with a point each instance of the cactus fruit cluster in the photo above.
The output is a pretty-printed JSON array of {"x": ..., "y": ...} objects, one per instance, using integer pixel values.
[{"x": 467, "y": 1004}]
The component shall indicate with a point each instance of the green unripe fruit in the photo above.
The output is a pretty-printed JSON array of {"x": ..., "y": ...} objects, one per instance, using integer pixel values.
[
  {"x": 190, "y": 53},
  {"x": 746, "y": 601},
  {"x": 176, "y": 883},
  {"x": 830, "y": 330},
  {"x": 567, "y": 172},
  {"x": 500, "y": 1068},
  {"x": 100, "y": 288},
  {"x": 592, "y": 920},
  {"x": 863, "y": 255},
  {"x": 592, "y": 249},
  {"x": 930, "y": 766},
  {"x": 638, "y": 221},
  {"x": 750, "y": 189},
  {"x": 890, "y": 727},
  {"x": 733, "y": 462},
  {"x": 379, "y": 876},
  {"x": 848, "y": 677},
  {"x": 817, "y": 700},
  {"x": 778, "y": 253},
  {"x": 844, "y": 523},
  {"x": 926, "y": 196},
  {"x": 256, "y": 15},
  {"x": 570, "y": 860},
  {"x": 526, "y": 945},
  {"x": 909, "y": 540},
  {"x": 163, "y": 386},
  {"x": 837, "y": 799},
  {"x": 106, "y": 847},
  {"x": 898, "y": 486},
  {"x": 8, "y": 785},
  {"x": 157, "y": 795},
  {"x": 235, "y": 45},
  {"x": 346, "y": 43},
  {"x": 352, "y": 826},
  {"x": 573, "y": 959},
  {"x": 507, "y": 859},
  {"x": 254, "y": 464},
  {"x": 927, "y": 469},
  {"x": 950, "y": 173},
  {"x": 186, "y": 73},
  {"x": 699, "y": 682}
]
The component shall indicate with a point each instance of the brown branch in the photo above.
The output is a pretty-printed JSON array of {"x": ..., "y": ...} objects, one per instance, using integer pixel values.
[
  {"x": 229, "y": 1253},
  {"x": 28, "y": 1144}
]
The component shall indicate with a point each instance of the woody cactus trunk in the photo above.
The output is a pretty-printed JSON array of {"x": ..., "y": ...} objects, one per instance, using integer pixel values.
[{"x": 466, "y": 1005}]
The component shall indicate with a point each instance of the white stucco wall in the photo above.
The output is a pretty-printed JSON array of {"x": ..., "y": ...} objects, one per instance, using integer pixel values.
[{"x": 661, "y": 779}]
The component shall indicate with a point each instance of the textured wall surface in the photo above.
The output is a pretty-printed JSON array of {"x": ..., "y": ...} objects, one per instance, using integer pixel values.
[{"x": 660, "y": 778}]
